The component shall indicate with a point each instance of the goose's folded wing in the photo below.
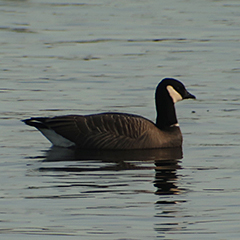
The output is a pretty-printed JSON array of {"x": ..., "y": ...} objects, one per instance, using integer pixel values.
[{"x": 100, "y": 131}]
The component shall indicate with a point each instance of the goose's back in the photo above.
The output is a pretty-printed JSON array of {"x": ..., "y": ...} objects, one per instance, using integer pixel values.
[{"x": 113, "y": 131}]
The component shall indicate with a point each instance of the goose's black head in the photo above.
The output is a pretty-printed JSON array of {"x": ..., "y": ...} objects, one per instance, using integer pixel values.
[
  {"x": 168, "y": 92},
  {"x": 175, "y": 89}
]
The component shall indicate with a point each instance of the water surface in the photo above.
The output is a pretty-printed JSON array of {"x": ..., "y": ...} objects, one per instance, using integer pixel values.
[{"x": 71, "y": 57}]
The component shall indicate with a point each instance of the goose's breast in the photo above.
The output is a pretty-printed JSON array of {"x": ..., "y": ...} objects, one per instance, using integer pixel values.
[{"x": 156, "y": 138}]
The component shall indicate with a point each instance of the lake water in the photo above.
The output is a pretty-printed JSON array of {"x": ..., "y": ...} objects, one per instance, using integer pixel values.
[{"x": 73, "y": 57}]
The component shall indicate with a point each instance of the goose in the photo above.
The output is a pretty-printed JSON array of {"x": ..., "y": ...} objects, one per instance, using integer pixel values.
[{"x": 120, "y": 131}]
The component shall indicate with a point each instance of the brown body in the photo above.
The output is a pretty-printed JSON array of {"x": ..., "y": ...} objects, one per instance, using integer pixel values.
[{"x": 113, "y": 131}]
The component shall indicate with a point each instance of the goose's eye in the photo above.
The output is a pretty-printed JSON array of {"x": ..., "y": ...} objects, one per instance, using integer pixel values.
[{"x": 180, "y": 89}]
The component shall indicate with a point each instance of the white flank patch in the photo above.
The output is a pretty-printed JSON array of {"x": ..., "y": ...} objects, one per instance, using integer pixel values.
[
  {"x": 176, "y": 97},
  {"x": 56, "y": 139}
]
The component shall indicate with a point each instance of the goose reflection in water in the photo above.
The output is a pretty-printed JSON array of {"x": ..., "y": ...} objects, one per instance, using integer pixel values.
[{"x": 166, "y": 163}]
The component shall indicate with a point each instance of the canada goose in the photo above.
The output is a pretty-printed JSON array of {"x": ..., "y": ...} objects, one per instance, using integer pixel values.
[{"x": 119, "y": 130}]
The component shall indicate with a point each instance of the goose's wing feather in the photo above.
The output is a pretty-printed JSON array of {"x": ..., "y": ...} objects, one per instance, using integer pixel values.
[{"x": 100, "y": 131}]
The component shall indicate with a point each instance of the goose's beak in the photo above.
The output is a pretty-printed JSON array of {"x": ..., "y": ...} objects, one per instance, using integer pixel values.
[{"x": 188, "y": 95}]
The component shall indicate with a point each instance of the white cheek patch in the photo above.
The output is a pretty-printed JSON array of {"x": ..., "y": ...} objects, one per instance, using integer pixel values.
[{"x": 176, "y": 97}]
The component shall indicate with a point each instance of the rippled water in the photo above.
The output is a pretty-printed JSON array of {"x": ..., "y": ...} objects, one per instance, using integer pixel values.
[{"x": 61, "y": 57}]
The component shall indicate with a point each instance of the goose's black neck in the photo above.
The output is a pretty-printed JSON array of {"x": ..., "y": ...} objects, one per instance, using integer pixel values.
[{"x": 166, "y": 114}]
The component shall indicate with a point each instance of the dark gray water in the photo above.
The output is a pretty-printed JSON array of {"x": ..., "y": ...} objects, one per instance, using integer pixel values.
[{"x": 63, "y": 57}]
